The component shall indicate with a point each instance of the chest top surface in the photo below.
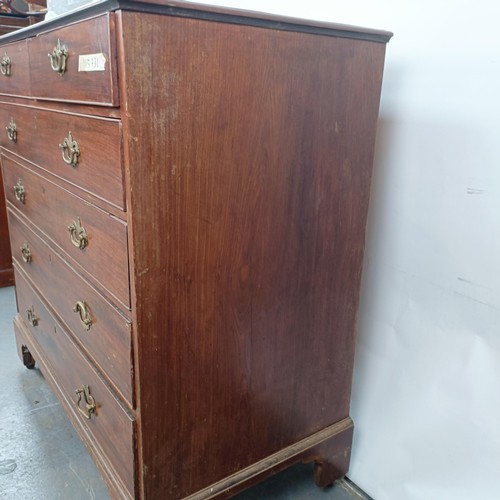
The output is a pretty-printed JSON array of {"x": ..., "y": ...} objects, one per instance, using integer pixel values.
[{"x": 206, "y": 12}]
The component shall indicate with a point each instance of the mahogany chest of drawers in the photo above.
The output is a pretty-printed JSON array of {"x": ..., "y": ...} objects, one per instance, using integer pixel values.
[{"x": 187, "y": 190}]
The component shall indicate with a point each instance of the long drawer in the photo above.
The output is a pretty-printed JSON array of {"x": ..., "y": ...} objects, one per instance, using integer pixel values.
[
  {"x": 94, "y": 241},
  {"x": 82, "y": 63},
  {"x": 84, "y": 151},
  {"x": 14, "y": 69},
  {"x": 97, "y": 325},
  {"x": 83, "y": 391}
]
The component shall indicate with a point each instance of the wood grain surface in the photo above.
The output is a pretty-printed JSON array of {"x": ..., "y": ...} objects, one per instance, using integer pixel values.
[
  {"x": 111, "y": 428},
  {"x": 94, "y": 36},
  {"x": 18, "y": 82},
  {"x": 40, "y": 133},
  {"x": 51, "y": 210},
  {"x": 247, "y": 234},
  {"x": 224, "y": 183},
  {"x": 108, "y": 341}
]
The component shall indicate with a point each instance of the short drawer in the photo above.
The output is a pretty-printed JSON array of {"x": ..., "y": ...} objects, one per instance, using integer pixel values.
[
  {"x": 103, "y": 332},
  {"x": 76, "y": 63},
  {"x": 84, "y": 151},
  {"x": 14, "y": 69},
  {"x": 94, "y": 241},
  {"x": 111, "y": 429},
  {"x": 16, "y": 125}
]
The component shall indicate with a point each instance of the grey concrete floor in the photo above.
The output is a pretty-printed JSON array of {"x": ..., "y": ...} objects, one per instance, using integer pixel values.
[{"x": 41, "y": 456}]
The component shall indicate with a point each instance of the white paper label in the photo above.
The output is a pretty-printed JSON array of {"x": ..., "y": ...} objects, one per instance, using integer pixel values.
[{"x": 92, "y": 62}]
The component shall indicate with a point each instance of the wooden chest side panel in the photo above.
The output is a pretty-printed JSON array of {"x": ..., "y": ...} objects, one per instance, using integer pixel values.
[{"x": 249, "y": 154}]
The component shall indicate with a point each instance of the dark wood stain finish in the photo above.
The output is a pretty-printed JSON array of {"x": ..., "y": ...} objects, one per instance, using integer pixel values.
[
  {"x": 108, "y": 340},
  {"x": 93, "y": 36},
  {"x": 248, "y": 271},
  {"x": 98, "y": 170},
  {"x": 226, "y": 203},
  {"x": 10, "y": 23},
  {"x": 18, "y": 82},
  {"x": 52, "y": 209},
  {"x": 112, "y": 428},
  {"x": 63, "y": 107}
]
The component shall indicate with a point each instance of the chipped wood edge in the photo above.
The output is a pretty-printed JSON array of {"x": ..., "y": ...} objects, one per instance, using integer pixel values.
[{"x": 271, "y": 462}]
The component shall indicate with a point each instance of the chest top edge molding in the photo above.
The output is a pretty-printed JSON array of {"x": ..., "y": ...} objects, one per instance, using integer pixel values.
[{"x": 179, "y": 8}]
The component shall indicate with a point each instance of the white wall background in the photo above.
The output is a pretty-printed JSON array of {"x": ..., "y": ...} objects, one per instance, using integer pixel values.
[{"x": 426, "y": 395}]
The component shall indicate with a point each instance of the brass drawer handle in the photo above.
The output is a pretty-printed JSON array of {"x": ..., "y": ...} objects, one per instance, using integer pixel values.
[
  {"x": 5, "y": 65},
  {"x": 83, "y": 310},
  {"x": 70, "y": 150},
  {"x": 89, "y": 402},
  {"x": 58, "y": 58},
  {"x": 12, "y": 130},
  {"x": 30, "y": 314},
  {"x": 78, "y": 234},
  {"x": 26, "y": 253},
  {"x": 20, "y": 192}
]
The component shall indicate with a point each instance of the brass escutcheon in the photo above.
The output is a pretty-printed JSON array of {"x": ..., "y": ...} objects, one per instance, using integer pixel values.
[
  {"x": 58, "y": 58},
  {"x": 70, "y": 150},
  {"x": 90, "y": 406},
  {"x": 5, "y": 65},
  {"x": 83, "y": 310},
  {"x": 78, "y": 234},
  {"x": 20, "y": 192},
  {"x": 26, "y": 253},
  {"x": 12, "y": 130},
  {"x": 30, "y": 314}
]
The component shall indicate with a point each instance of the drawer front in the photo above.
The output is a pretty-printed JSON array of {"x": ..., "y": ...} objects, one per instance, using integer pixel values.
[
  {"x": 53, "y": 210},
  {"x": 84, "y": 151},
  {"x": 6, "y": 276},
  {"x": 14, "y": 69},
  {"x": 111, "y": 429},
  {"x": 16, "y": 129},
  {"x": 103, "y": 332},
  {"x": 82, "y": 63}
]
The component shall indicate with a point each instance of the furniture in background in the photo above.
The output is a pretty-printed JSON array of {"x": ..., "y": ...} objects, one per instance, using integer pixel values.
[
  {"x": 6, "y": 270},
  {"x": 187, "y": 189},
  {"x": 10, "y": 22},
  {"x": 15, "y": 14}
]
